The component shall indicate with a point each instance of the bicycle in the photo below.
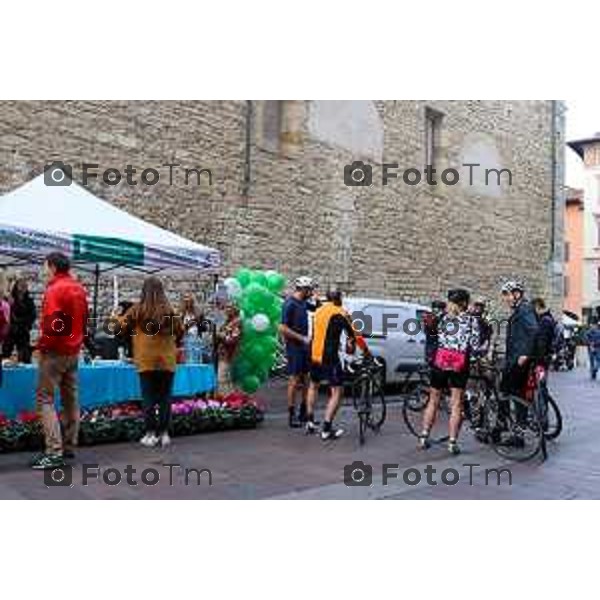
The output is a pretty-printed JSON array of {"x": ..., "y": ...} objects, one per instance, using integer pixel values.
[
  {"x": 368, "y": 398},
  {"x": 510, "y": 424}
]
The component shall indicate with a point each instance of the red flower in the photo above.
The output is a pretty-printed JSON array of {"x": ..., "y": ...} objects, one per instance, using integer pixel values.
[
  {"x": 4, "y": 420},
  {"x": 28, "y": 416}
]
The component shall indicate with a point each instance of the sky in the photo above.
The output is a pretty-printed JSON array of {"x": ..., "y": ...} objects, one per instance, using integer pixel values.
[{"x": 583, "y": 120}]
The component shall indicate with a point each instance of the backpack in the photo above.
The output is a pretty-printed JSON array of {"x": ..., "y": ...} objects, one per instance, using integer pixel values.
[{"x": 4, "y": 319}]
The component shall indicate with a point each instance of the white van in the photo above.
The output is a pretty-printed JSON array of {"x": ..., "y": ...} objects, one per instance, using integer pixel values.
[{"x": 393, "y": 331}]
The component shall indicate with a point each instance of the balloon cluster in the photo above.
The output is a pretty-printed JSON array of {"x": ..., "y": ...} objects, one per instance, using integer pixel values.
[{"x": 258, "y": 296}]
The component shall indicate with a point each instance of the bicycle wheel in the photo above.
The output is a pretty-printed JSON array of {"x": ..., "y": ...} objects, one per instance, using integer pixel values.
[
  {"x": 520, "y": 433},
  {"x": 361, "y": 397},
  {"x": 414, "y": 408},
  {"x": 362, "y": 427},
  {"x": 378, "y": 409},
  {"x": 553, "y": 419}
]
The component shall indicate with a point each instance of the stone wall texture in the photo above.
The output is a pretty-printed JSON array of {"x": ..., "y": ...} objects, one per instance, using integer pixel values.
[{"x": 278, "y": 197}]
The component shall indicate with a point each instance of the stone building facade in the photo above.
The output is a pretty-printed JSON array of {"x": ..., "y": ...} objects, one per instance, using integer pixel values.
[{"x": 277, "y": 198}]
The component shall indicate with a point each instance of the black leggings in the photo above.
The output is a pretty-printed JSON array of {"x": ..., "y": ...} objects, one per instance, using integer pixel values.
[{"x": 156, "y": 391}]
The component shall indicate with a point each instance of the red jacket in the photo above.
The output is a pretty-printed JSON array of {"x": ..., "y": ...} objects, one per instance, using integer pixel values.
[{"x": 64, "y": 316}]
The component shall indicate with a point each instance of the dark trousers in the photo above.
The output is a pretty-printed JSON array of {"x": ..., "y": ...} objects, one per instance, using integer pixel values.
[
  {"x": 156, "y": 394},
  {"x": 22, "y": 341},
  {"x": 514, "y": 380}
]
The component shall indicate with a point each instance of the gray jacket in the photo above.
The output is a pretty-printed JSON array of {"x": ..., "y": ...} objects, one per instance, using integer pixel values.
[{"x": 521, "y": 333}]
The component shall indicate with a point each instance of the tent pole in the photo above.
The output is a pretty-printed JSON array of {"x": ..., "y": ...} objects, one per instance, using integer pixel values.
[{"x": 96, "y": 282}]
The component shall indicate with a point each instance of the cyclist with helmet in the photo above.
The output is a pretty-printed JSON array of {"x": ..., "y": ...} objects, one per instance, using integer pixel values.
[
  {"x": 458, "y": 339},
  {"x": 521, "y": 341},
  {"x": 330, "y": 322},
  {"x": 294, "y": 329},
  {"x": 521, "y": 337}
]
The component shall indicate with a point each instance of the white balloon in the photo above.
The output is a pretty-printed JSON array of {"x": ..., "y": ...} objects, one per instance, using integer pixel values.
[
  {"x": 234, "y": 289},
  {"x": 260, "y": 322}
]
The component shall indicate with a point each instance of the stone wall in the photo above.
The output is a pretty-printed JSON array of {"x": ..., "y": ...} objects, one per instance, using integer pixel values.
[{"x": 280, "y": 200}]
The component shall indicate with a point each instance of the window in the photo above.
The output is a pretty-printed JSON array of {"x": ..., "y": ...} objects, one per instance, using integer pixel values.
[
  {"x": 566, "y": 286},
  {"x": 567, "y": 253},
  {"x": 384, "y": 319},
  {"x": 433, "y": 128},
  {"x": 271, "y": 123}
]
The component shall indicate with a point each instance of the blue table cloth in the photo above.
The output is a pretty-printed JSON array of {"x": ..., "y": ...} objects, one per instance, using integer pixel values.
[{"x": 106, "y": 382}]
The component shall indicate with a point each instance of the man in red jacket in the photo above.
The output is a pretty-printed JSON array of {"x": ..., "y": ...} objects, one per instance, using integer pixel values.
[{"x": 63, "y": 329}]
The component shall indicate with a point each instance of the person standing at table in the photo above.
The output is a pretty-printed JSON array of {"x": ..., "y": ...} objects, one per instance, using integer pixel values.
[
  {"x": 124, "y": 339},
  {"x": 5, "y": 310},
  {"x": 229, "y": 337},
  {"x": 62, "y": 334},
  {"x": 22, "y": 318},
  {"x": 192, "y": 320},
  {"x": 156, "y": 330}
]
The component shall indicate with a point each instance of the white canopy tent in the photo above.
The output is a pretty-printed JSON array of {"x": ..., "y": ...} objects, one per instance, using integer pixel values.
[{"x": 36, "y": 219}]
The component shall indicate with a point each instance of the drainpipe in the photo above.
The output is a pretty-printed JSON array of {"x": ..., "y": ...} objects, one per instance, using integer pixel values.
[
  {"x": 553, "y": 130},
  {"x": 247, "y": 152}
]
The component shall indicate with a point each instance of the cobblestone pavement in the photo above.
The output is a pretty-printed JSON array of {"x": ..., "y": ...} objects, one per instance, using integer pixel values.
[{"x": 275, "y": 462}]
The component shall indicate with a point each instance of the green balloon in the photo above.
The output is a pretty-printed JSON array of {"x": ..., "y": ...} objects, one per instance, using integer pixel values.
[
  {"x": 275, "y": 282},
  {"x": 244, "y": 276},
  {"x": 250, "y": 384},
  {"x": 262, "y": 375},
  {"x": 260, "y": 353},
  {"x": 255, "y": 299},
  {"x": 259, "y": 278},
  {"x": 241, "y": 368}
]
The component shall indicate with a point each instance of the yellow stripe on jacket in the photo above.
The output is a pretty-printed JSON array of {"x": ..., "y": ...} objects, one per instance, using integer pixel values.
[{"x": 323, "y": 316}]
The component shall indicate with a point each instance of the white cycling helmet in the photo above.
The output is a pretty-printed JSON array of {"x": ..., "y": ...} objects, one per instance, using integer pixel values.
[
  {"x": 304, "y": 283},
  {"x": 512, "y": 286}
]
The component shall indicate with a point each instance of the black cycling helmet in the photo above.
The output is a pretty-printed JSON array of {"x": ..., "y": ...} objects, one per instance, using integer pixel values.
[{"x": 459, "y": 296}]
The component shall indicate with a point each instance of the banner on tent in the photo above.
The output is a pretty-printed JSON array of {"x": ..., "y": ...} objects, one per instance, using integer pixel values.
[
  {"x": 34, "y": 245},
  {"x": 96, "y": 249}
]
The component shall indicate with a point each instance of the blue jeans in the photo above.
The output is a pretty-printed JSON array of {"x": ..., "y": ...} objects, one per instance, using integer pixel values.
[{"x": 594, "y": 361}]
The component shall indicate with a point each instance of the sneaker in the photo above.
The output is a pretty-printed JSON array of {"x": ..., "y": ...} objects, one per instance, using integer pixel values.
[
  {"x": 165, "y": 440},
  {"x": 332, "y": 434},
  {"x": 68, "y": 454},
  {"x": 149, "y": 440},
  {"x": 423, "y": 443},
  {"x": 47, "y": 461},
  {"x": 310, "y": 427},
  {"x": 453, "y": 448}
]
